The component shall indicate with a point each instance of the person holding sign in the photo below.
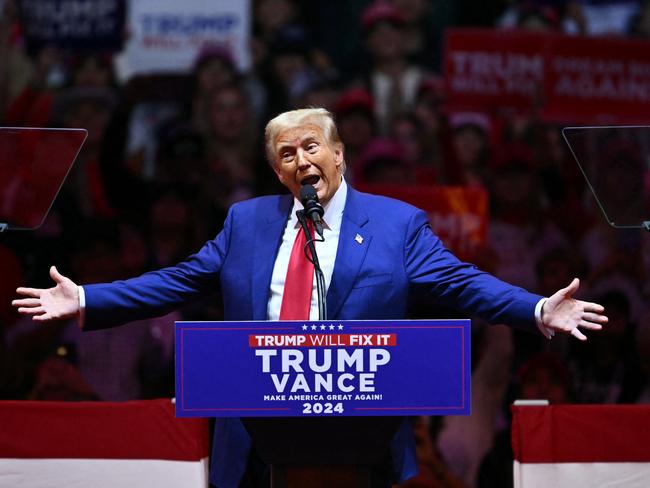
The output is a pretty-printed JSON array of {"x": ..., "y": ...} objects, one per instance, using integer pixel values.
[{"x": 376, "y": 251}]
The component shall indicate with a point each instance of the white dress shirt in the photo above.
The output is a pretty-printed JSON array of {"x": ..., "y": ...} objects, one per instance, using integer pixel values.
[{"x": 326, "y": 251}]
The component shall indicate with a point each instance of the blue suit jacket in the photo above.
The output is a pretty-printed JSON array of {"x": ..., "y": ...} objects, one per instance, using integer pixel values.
[{"x": 371, "y": 280}]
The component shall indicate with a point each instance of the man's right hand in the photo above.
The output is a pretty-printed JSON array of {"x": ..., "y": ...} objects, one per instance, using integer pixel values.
[{"x": 59, "y": 302}]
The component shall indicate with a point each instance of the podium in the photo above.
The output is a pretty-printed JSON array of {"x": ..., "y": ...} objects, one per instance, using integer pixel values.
[{"x": 324, "y": 402}]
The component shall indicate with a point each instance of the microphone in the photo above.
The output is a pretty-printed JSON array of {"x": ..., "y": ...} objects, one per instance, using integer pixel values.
[{"x": 313, "y": 208}]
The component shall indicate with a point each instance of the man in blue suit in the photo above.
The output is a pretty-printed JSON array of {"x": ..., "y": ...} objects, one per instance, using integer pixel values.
[{"x": 376, "y": 252}]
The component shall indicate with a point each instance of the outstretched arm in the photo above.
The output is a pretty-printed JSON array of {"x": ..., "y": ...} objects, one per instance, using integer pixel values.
[
  {"x": 464, "y": 287},
  {"x": 563, "y": 313},
  {"x": 58, "y": 302}
]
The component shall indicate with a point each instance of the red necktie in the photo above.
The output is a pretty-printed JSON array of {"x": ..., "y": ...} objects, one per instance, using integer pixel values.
[{"x": 296, "y": 300}]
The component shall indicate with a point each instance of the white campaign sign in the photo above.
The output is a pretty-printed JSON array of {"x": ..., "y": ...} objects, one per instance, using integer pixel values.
[{"x": 165, "y": 36}]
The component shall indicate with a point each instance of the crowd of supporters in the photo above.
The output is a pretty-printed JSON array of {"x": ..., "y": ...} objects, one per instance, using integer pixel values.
[{"x": 167, "y": 154}]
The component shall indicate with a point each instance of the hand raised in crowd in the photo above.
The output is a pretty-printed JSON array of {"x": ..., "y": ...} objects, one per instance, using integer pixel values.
[
  {"x": 563, "y": 313},
  {"x": 59, "y": 302}
]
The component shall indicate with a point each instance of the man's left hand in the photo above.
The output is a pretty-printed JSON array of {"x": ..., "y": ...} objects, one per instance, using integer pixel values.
[{"x": 561, "y": 312}]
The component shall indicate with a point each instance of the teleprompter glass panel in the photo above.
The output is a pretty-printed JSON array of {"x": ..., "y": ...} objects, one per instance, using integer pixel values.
[
  {"x": 33, "y": 165},
  {"x": 615, "y": 161}
]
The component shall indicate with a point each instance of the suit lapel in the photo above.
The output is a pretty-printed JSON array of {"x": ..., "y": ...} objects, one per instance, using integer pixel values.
[
  {"x": 268, "y": 236},
  {"x": 354, "y": 241}
]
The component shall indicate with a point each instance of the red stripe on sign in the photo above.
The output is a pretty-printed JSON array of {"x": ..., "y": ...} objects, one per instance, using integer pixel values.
[
  {"x": 322, "y": 340},
  {"x": 100, "y": 430},
  {"x": 581, "y": 433}
]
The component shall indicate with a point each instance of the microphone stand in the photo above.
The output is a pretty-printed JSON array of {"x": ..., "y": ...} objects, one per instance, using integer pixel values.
[{"x": 320, "y": 278}]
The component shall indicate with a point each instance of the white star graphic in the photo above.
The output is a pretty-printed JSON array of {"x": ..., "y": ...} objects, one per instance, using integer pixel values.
[
  {"x": 322, "y": 327},
  {"x": 313, "y": 327},
  {"x": 332, "y": 327},
  {"x": 304, "y": 327},
  {"x": 340, "y": 327}
]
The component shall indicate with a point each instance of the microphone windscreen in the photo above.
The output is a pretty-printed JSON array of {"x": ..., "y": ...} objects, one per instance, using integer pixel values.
[
  {"x": 308, "y": 194},
  {"x": 309, "y": 199}
]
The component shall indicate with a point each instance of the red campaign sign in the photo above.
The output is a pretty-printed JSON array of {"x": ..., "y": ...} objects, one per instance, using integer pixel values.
[
  {"x": 598, "y": 80},
  {"x": 490, "y": 69},
  {"x": 257, "y": 369},
  {"x": 569, "y": 78},
  {"x": 458, "y": 215}
]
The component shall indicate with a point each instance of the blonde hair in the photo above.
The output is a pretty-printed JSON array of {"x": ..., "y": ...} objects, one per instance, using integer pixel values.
[{"x": 297, "y": 118}]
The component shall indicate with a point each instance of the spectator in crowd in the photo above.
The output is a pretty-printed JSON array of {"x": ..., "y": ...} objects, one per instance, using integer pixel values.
[
  {"x": 231, "y": 148},
  {"x": 382, "y": 161},
  {"x": 181, "y": 159},
  {"x": 518, "y": 216},
  {"x": 33, "y": 105},
  {"x": 271, "y": 16},
  {"x": 555, "y": 266},
  {"x": 319, "y": 90},
  {"x": 288, "y": 68},
  {"x": 355, "y": 114},
  {"x": 407, "y": 132},
  {"x": 545, "y": 377},
  {"x": 419, "y": 30},
  {"x": 433, "y": 472},
  {"x": 428, "y": 111},
  {"x": 15, "y": 66},
  {"x": 174, "y": 227},
  {"x": 392, "y": 79},
  {"x": 561, "y": 181},
  {"x": 53, "y": 71},
  {"x": 84, "y": 190},
  {"x": 469, "y": 151},
  {"x": 57, "y": 379},
  {"x": 214, "y": 68},
  {"x": 91, "y": 70}
]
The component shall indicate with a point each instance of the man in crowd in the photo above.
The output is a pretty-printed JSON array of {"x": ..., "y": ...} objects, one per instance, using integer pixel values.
[{"x": 376, "y": 252}]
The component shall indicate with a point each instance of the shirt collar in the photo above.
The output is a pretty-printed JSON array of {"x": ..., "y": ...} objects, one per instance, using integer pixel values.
[{"x": 333, "y": 209}]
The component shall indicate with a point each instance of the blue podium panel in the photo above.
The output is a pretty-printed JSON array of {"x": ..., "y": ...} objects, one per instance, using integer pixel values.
[{"x": 331, "y": 368}]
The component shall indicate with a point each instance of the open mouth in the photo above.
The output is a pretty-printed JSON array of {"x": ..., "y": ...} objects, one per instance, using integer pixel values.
[{"x": 310, "y": 180}]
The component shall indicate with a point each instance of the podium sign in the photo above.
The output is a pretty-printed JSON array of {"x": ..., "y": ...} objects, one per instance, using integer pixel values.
[{"x": 330, "y": 368}]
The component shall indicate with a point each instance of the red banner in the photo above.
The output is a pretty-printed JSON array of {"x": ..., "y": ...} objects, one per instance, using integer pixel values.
[
  {"x": 458, "y": 215},
  {"x": 584, "y": 80},
  {"x": 581, "y": 433},
  {"x": 100, "y": 430},
  {"x": 489, "y": 69}
]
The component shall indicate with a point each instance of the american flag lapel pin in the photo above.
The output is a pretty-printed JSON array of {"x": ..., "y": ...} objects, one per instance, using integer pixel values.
[{"x": 358, "y": 238}]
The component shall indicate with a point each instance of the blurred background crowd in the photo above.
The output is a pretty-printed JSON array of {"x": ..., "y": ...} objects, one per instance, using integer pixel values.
[{"x": 167, "y": 153}]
